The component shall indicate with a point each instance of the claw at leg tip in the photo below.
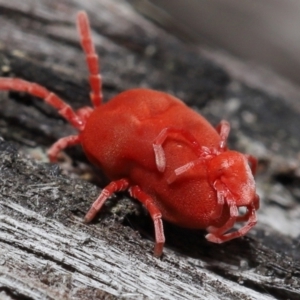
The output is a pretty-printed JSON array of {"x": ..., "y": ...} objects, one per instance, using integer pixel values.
[
  {"x": 89, "y": 216},
  {"x": 85, "y": 220},
  {"x": 157, "y": 253},
  {"x": 212, "y": 238}
]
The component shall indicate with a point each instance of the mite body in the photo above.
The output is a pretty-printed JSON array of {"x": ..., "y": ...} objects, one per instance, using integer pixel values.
[{"x": 167, "y": 155}]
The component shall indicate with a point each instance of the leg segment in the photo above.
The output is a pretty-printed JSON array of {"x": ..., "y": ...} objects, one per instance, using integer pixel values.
[
  {"x": 91, "y": 58},
  {"x": 114, "y": 186},
  {"x": 221, "y": 196},
  {"x": 248, "y": 214},
  {"x": 253, "y": 163},
  {"x": 156, "y": 216},
  {"x": 159, "y": 153},
  {"x": 244, "y": 217},
  {"x": 62, "y": 144},
  {"x": 218, "y": 236},
  {"x": 223, "y": 129},
  {"x": 183, "y": 169},
  {"x": 228, "y": 225},
  {"x": 37, "y": 90}
]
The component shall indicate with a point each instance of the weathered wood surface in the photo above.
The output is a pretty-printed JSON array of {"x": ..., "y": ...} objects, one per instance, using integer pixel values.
[{"x": 45, "y": 250}]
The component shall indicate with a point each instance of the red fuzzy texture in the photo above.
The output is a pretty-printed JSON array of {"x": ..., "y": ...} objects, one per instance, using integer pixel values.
[{"x": 118, "y": 138}]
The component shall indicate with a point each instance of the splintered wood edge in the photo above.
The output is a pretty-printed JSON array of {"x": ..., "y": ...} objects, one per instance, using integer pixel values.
[{"x": 41, "y": 257}]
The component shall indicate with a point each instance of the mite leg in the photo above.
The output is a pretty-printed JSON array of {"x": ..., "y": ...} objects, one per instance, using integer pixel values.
[
  {"x": 253, "y": 163},
  {"x": 50, "y": 98},
  {"x": 159, "y": 153},
  {"x": 219, "y": 237},
  {"x": 183, "y": 169},
  {"x": 217, "y": 231},
  {"x": 223, "y": 129},
  {"x": 156, "y": 216},
  {"x": 114, "y": 186},
  {"x": 92, "y": 59},
  {"x": 246, "y": 216},
  {"x": 62, "y": 144},
  {"x": 221, "y": 199}
]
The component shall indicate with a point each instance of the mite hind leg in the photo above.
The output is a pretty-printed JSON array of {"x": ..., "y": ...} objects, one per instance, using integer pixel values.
[{"x": 34, "y": 89}]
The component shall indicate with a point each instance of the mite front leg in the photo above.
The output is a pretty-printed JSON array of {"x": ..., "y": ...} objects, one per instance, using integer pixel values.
[
  {"x": 223, "y": 129},
  {"x": 62, "y": 144},
  {"x": 183, "y": 169},
  {"x": 218, "y": 237},
  {"x": 113, "y": 187},
  {"x": 221, "y": 196},
  {"x": 159, "y": 153},
  {"x": 156, "y": 216},
  {"x": 253, "y": 163},
  {"x": 247, "y": 215},
  {"x": 216, "y": 234}
]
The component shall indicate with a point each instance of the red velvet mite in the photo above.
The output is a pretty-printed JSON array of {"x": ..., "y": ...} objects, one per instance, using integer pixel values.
[{"x": 166, "y": 155}]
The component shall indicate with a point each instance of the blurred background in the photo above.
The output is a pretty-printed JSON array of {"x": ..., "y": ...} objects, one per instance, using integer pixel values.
[{"x": 264, "y": 32}]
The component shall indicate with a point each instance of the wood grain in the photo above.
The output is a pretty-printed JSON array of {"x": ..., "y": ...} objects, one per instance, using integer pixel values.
[{"x": 47, "y": 252}]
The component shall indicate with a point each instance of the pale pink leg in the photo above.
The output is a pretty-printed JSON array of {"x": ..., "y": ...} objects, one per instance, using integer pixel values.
[
  {"x": 183, "y": 169},
  {"x": 62, "y": 144},
  {"x": 223, "y": 129},
  {"x": 244, "y": 217},
  {"x": 253, "y": 163},
  {"x": 91, "y": 58},
  {"x": 228, "y": 225},
  {"x": 156, "y": 216},
  {"x": 159, "y": 153},
  {"x": 37, "y": 90},
  {"x": 218, "y": 236},
  {"x": 113, "y": 187},
  {"x": 221, "y": 199}
]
